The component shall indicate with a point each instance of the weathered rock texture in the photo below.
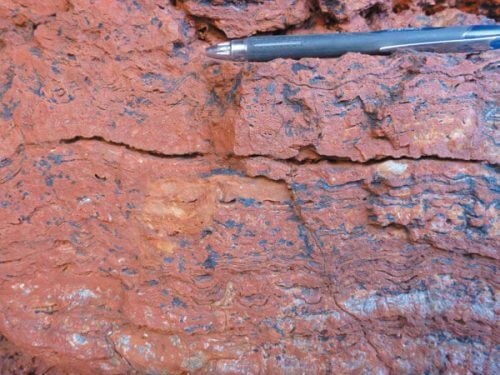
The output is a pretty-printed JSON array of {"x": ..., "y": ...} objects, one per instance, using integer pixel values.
[
  {"x": 367, "y": 14},
  {"x": 165, "y": 213},
  {"x": 366, "y": 107},
  {"x": 240, "y": 18}
]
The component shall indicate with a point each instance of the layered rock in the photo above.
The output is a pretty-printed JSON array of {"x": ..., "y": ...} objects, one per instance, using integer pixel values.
[
  {"x": 240, "y": 18},
  {"x": 367, "y": 107},
  {"x": 326, "y": 267},
  {"x": 371, "y": 14},
  {"x": 123, "y": 72},
  {"x": 161, "y": 212},
  {"x": 389, "y": 234}
]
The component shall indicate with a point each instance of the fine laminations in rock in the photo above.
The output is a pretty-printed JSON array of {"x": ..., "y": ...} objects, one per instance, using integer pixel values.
[{"x": 164, "y": 213}]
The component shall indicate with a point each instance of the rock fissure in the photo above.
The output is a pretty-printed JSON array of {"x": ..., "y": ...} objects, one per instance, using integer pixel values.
[{"x": 154, "y": 153}]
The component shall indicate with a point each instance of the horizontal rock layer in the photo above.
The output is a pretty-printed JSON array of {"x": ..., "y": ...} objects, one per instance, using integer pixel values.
[
  {"x": 165, "y": 213},
  {"x": 367, "y": 107},
  {"x": 146, "y": 260},
  {"x": 242, "y": 18}
]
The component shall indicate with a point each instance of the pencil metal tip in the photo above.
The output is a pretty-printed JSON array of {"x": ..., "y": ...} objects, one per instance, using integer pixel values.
[{"x": 220, "y": 51}]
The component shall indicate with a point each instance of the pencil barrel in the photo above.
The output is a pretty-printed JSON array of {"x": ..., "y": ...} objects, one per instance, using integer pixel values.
[{"x": 445, "y": 39}]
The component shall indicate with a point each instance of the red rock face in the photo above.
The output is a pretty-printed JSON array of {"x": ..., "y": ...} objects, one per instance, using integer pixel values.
[
  {"x": 364, "y": 107},
  {"x": 240, "y": 18},
  {"x": 368, "y": 14},
  {"x": 166, "y": 213}
]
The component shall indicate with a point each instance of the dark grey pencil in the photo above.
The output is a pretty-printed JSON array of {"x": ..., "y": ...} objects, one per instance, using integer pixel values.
[{"x": 441, "y": 39}]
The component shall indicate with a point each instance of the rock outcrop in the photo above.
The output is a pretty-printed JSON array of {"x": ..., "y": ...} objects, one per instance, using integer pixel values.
[{"x": 166, "y": 213}]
